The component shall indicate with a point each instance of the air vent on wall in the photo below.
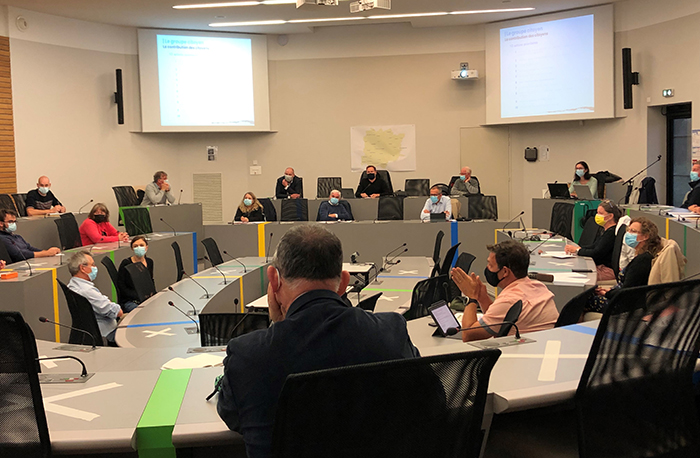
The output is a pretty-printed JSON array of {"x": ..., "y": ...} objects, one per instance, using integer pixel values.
[{"x": 206, "y": 189}]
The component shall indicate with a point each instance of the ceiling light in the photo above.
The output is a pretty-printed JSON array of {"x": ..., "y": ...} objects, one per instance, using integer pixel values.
[
  {"x": 244, "y": 24},
  {"x": 503, "y": 10},
  {"x": 229, "y": 4},
  {"x": 396, "y": 16},
  {"x": 300, "y": 21}
]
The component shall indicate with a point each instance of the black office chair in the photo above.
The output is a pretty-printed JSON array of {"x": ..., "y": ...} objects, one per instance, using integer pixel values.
[
  {"x": 216, "y": 329},
  {"x": 325, "y": 185},
  {"x": 426, "y": 293},
  {"x": 347, "y": 193},
  {"x": 113, "y": 275},
  {"x": 83, "y": 317},
  {"x": 178, "y": 260},
  {"x": 482, "y": 207},
  {"x": 449, "y": 257},
  {"x": 295, "y": 210},
  {"x": 68, "y": 231},
  {"x": 512, "y": 316},
  {"x": 6, "y": 202},
  {"x": 591, "y": 232},
  {"x": 140, "y": 278},
  {"x": 268, "y": 209},
  {"x": 384, "y": 175},
  {"x": 24, "y": 431},
  {"x": 20, "y": 203},
  {"x": 560, "y": 221},
  {"x": 417, "y": 187},
  {"x": 137, "y": 220},
  {"x": 444, "y": 188},
  {"x": 452, "y": 182},
  {"x": 617, "y": 249},
  {"x": 390, "y": 208},
  {"x": 369, "y": 303},
  {"x": 572, "y": 311},
  {"x": 636, "y": 397},
  {"x": 417, "y": 407},
  {"x": 464, "y": 262},
  {"x": 213, "y": 251},
  {"x": 348, "y": 207},
  {"x": 126, "y": 196},
  {"x": 436, "y": 253}
]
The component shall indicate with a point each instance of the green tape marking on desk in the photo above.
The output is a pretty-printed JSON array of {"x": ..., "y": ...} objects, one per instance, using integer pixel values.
[{"x": 154, "y": 433}]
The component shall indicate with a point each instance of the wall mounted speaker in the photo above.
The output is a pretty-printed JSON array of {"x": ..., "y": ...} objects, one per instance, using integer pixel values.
[
  {"x": 119, "y": 97},
  {"x": 629, "y": 78}
]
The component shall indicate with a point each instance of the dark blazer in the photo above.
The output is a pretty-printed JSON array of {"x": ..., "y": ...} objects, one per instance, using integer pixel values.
[
  {"x": 255, "y": 215},
  {"x": 602, "y": 249},
  {"x": 127, "y": 292},
  {"x": 319, "y": 332},
  {"x": 379, "y": 186},
  {"x": 693, "y": 196},
  {"x": 295, "y": 187},
  {"x": 635, "y": 274}
]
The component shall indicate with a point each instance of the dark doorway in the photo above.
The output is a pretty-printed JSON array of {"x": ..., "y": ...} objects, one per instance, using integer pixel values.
[{"x": 678, "y": 152}]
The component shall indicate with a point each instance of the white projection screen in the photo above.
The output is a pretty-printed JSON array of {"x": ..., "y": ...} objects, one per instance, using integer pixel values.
[
  {"x": 203, "y": 82},
  {"x": 554, "y": 67}
]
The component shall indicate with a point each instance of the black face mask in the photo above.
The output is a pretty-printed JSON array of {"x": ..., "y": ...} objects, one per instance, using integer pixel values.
[
  {"x": 371, "y": 176},
  {"x": 491, "y": 277},
  {"x": 100, "y": 218}
]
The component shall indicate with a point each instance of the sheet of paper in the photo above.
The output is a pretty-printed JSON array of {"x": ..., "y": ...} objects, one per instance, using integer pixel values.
[
  {"x": 195, "y": 362},
  {"x": 572, "y": 278},
  {"x": 557, "y": 254}
]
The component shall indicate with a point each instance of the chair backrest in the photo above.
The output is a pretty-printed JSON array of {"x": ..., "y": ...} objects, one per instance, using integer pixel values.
[
  {"x": 83, "y": 317},
  {"x": 218, "y": 328},
  {"x": 20, "y": 203},
  {"x": 24, "y": 431},
  {"x": 482, "y": 207},
  {"x": 417, "y": 187},
  {"x": 137, "y": 220},
  {"x": 436, "y": 253},
  {"x": 464, "y": 262},
  {"x": 347, "y": 207},
  {"x": 113, "y": 275},
  {"x": 449, "y": 257},
  {"x": 572, "y": 311},
  {"x": 324, "y": 186},
  {"x": 617, "y": 249},
  {"x": 369, "y": 303},
  {"x": 126, "y": 196},
  {"x": 213, "y": 251},
  {"x": 370, "y": 409},
  {"x": 178, "y": 260},
  {"x": 452, "y": 181},
  {"x": 141, "y": 279},
  {"x": 4, "y": 255},
  {"x": 512, "y": 316},
  {"x": 635, "y": 397},
  {"x": 268, "y": 209},
  {"x": 390, "y": 208},
  {"x": 6, "y": 202},
  {"x": 68, "y": 231},
  {"x": 347, "y": 193},
  {"x": 590, "y": 233},
  {"x": 295, "y": 210},
  {"x": 426, "y": 293},
  {"x": 384, "y": 174},
  {"x": 562, "y": 217}
]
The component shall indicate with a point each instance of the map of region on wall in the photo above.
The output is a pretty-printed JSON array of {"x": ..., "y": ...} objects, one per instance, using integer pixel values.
[{"x": 391, "y": 148}]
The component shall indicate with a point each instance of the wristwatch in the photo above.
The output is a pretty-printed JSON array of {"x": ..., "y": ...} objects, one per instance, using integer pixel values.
[{"x": 471, "y": 300}]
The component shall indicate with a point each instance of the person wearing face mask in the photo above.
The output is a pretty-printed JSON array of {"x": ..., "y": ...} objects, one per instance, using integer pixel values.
[
  {"x": 84, "y": 271},
  {"x": 249, "y": 209},
  {"x": 372, "y": 185},
  {"x": 692, "y": 199},
  {"x": 583, "y": 175},
  {"x": 41, "y": 200},
  {"x": 97, "y": 229},
  {"x": 18, "y": 248},
  {"x": 289, "y": 186},
  {"x": 127, "y": 292},
  {"x": 643, "y": 236},
  {"x": 158, "y": 192},
  {"x": 602, "y": 249},
  {"x": 436, "y": 203},
  {"x": 466, "y": 185},
  {"x": 506, "y": 268},
  {"x": 313, "y": 329},
  {"x": 332, "y": 209}
]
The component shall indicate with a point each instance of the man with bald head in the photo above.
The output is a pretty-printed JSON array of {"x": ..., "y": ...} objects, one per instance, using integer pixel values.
[
  {"x": 41, "y": 200},
  {"x": 289, "y": 186},
  {"x": 467, "y": 184}
]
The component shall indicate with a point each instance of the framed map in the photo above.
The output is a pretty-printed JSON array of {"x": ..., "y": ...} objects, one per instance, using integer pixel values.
[{"x": 391, "y": 148}]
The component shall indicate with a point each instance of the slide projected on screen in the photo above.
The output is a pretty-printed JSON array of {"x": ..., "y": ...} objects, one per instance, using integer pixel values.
[
  {"x": 205, "y": 81},
  {"x": 547, "y": 68}
]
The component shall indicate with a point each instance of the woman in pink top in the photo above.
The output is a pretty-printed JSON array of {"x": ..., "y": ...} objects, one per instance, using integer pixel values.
[{"x": 97, "y": 229}]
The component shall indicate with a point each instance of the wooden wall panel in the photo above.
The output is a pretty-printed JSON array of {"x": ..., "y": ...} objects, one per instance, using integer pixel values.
[{"x": 8, "y": 170}]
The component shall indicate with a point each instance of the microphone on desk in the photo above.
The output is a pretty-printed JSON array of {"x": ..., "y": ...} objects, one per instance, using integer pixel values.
[
  {"x": 554, "y": 233},
  {"x": 84, "y": 373},
  {"x": 94, "y": 340},
  {"x": 194, "y": 309},
  {"x": 214, "y": 266},
  {"x": 164, "y": 222},
  {"x": 245, "y": 270},
  {"x": 81, "y": 208},
  {"x": 384, "y": 264},
  {"x": 269, "y": 245},
  {"x": 25, "y": 258},
  {"x": 353, "y": 257},
  {"x": 179, "y": 197},
  {"x": 510, "y": 234},
  {"x": 140, "y": 229},
  {"x": 170, "y": 303},
  {"x": 453, "y": 331},
  {"x": 393, "y": 261},
  {"x": 527, "y": 237},
  {"x": 197, "y": 283}
]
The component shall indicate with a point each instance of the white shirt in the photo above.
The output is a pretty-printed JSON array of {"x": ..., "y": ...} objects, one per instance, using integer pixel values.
[
  {"x": 443, "y": 205},
  {"x": 105, "y": 310}
]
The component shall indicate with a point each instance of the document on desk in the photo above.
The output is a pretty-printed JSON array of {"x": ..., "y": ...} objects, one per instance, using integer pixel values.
[
  {"x": 195, "y": 362},
  {"x": 557, "y": 254},
  {"x": 569, "y": 278}
]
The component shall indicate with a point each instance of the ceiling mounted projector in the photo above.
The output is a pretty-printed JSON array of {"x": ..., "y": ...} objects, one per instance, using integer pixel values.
[
  {"x": 464, "y": 73},
  {"x": 364, "y": 5},
  {"x": 317, "y": 2}
]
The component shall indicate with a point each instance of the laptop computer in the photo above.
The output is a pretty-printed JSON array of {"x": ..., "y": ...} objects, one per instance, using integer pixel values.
[
  {"x": 437, "y": 217},
  {"x": 583, "y": 192},
  {"x": 558, "y": 191}
]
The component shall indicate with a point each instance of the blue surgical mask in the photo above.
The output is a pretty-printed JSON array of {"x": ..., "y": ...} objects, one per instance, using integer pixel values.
[
  {"x": 334, "y": 201},
  {"x": 140, "y": 251},
  {"x": 11, "y": 227},
  {"x": 44, "y": 189},
  {"x": 580, "y": 172},
  {"x": 434, "y": 199},
  {"x": 247, "y": 202},
  {"x": 463, "y": 177},
  {"x": 694, "y": 176},
  {"x": 93, "y": 273},
  {"x": 631, "y": 240}
]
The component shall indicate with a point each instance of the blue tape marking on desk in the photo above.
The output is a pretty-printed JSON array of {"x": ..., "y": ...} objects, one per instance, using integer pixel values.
[
  {"x": 167, "y": 323},
  {"x": 194, "y": 253},
  {"x": 401, "y": 276},
  {"x": 581, "y": 329},
  {"x": 454, "y": 235}
]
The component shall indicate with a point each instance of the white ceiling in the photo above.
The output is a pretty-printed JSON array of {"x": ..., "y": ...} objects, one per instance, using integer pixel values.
[{"x": 160, "y": 14}]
